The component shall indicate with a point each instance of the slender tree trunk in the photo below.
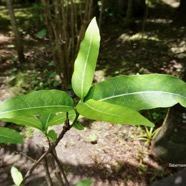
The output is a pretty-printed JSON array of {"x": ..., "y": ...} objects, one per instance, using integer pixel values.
[
  {"x": 18, "y": 41},
  {"x": 129, "y": 14},
  {"x": 170, "y": 143},
  {"x": 62, "y": 20}
]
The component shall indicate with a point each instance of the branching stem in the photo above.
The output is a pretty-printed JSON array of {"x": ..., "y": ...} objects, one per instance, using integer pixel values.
[{"x": 66, "y": 128}]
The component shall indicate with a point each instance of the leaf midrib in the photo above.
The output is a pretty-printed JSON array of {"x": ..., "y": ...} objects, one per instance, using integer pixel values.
[
  {"x": 141, "y": 92},
  {"x": 32, "y": 108},
  {"x": 85, "y": 66}
]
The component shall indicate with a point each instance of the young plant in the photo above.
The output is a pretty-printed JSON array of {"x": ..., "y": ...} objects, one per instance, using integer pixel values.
[
  {"x": 116, "y": 100},
  {"x": 148, "y": 134}
]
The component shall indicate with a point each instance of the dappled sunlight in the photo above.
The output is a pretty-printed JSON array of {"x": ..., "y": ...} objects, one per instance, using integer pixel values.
[
  {"x": 4, "y": 38},
  {"x": 172, "y": 3},
  {"x": 159, "y": 47},
  {"x": 136, "y": 37},
  {"x": 107, "y": 159},
  {"x": 159, "y": 21}
]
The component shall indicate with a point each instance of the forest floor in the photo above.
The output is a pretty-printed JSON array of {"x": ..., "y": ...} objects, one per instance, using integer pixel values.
[{"x": 108, "y": 154}]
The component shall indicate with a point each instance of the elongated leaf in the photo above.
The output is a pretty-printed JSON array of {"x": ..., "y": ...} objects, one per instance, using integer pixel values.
[
  {"x": 104, "y": 111},
  {"x": 25, "y": 120},
  {"x": 141, "y": 91},
  {"x": 85, "y": 63},
  {"x": 16, "y": 176},
  {"x": 37, "y": 102},
  {"x": 10, "y": 136}
]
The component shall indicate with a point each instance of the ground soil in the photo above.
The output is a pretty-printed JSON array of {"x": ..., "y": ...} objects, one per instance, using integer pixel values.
[{"x": 108, "y": 154}]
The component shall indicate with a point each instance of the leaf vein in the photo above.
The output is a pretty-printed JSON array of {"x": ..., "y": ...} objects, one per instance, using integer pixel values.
[
  {"x": 51, "y": 106},
  {"x": 85, "y": 66},
  {"x": 142, "y": 93}
]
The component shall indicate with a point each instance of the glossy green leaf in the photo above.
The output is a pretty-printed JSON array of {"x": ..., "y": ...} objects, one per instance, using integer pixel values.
[
  {"x": 85, "y": 62},
  {"x": 52, "y": 135},
  {"x": 16, "y": 176},
  {"x": 10, "y": 136},
  {"x": 140, "y": 92},
  {"x": 37, "y": 102},
  {"x": 31, "y": 121},
  {"x": 87, "y": 182},
  {"x": 78, "y": 125},
  {"x": 104, "y": 111}
]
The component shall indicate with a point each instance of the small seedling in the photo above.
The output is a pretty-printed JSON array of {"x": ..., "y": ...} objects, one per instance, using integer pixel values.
[{"x": 148, "y": 134}]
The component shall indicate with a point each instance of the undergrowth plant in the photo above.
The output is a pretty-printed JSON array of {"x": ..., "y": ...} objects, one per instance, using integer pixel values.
[
  {"x": 116, "y": 100},
  {"x": 148, "y": 134}
]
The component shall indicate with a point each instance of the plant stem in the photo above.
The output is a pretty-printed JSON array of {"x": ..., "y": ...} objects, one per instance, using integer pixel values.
[
  {"x": 48, "y": 177},
  {"x": 61, "y": 135},
  {"x": 60, "y": 167},
  {"x": 66, "y": 128},
  {"x": 54, "y": 154}
]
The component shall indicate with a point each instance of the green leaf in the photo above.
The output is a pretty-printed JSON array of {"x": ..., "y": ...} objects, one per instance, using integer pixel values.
[
  {"x": 31, "y": 121},
  {"x": 16, "y": 176},
  {"x": 60, "y": 118},
  {"x": 41, "y": 34},
  {"x": 52, "y": 135},
  {"x": 10, "y": 136},
  {"x": 78, "y": 125},
  {"x": 37, "y": 102},
  {"x": 45, "y": 119},
  {"x": 104, "y": 111},
  {"x": 87, "y": 182},
  {"x": 141, "y": 92},
  {"x": 85, "y": 62}
]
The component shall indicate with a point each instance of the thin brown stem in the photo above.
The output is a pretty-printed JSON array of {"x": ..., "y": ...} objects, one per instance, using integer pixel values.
[
  {"x": 60, "y": 167},
  {"x": 58, "y": 172},
  {"x": 61, "y": 135},
  {"x": 66, "y": 128},
  {"x": 48, "y": 177}
]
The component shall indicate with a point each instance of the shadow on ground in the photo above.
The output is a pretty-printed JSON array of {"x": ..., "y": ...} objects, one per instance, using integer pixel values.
[{"x": 102, "y": 153}]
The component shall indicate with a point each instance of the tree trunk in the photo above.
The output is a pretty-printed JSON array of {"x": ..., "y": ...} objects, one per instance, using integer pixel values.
[
  {"x": 129, "y": 13},
  {"x": 170, "y": 143},
  {"x": 18, "y": 41},
  {"x": 63, "y": 22}
]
